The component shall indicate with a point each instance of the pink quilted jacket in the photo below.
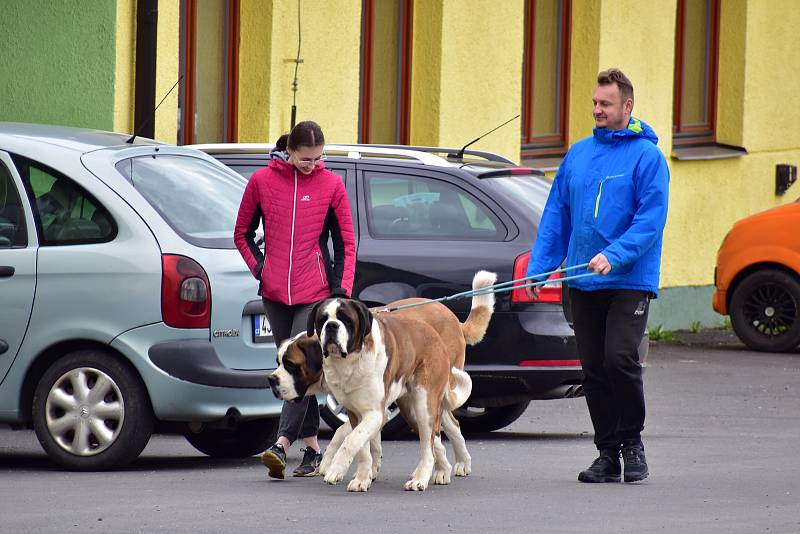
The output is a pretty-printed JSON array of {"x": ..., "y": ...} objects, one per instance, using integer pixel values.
[{"x": 299, "y": 211}]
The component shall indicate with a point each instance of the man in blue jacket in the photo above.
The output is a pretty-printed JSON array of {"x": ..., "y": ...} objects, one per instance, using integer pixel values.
[{"x": 608, "y": 207}]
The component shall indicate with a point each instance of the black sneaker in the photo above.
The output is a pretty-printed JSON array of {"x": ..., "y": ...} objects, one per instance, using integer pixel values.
[
  {"x": 635, "y": 463},
  {"x": 274, "y": 459},
  {"x": 605, "y": 468},
  {"x": 309, "y": 467}
]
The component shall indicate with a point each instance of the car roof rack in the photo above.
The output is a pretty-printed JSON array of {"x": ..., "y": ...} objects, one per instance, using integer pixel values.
[
  {"x": 451, "y": 153},
  {"x": 424, "y": 155}
]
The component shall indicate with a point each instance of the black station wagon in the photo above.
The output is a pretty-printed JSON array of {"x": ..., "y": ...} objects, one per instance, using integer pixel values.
[{"x": 426, "y": 219}]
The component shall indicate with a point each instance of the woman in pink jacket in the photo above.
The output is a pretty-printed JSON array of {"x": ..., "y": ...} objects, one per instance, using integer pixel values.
[{"x": 300, "y": 204}]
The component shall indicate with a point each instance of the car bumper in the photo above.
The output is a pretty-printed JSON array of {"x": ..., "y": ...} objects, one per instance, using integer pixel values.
[
  {"x": 719, "y": 301},
  {"x": 187, "y": 382},
  {"x": 507, "y": 384},
  {"x": 525, "y": 355}
]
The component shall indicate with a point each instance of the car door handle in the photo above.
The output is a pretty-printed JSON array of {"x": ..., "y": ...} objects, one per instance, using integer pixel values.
[
  {"x": 6, "y": 271},
  {"x": 3, "y": 346}
]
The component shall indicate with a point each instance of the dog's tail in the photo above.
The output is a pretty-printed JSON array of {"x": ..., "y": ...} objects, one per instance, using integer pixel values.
[
  {"x": 459, "y": 390},
  {"x": 474, "y": 328}
]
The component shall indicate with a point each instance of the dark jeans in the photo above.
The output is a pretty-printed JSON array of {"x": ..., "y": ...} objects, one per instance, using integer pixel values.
[
  {"x": 609, "y": 327},
  {"x": 298, "y": 419}
]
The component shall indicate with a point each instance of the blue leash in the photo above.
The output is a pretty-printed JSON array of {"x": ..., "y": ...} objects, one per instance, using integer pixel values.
[{"x": 502, "y": 287}]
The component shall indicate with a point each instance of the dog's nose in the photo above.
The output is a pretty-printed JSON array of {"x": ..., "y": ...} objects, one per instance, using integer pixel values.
[{"x": 273, "y": 380}]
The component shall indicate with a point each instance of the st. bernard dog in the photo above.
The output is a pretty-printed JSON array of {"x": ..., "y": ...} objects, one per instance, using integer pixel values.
[{"x": 413, "y": 357}]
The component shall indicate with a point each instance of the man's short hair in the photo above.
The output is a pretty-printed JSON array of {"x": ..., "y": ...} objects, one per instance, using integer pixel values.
[{"x": 607, "y": 77}]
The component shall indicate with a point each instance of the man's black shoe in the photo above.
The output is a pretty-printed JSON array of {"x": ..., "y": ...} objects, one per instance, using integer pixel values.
[
  {"x": 605, "y": 468},
  {"x": 309, "y": 467},
  {"x": 274, "y": 459},
  {"x": 635, "y": 463}
]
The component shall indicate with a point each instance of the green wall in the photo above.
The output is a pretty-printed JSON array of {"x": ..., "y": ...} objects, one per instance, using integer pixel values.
[{"x": 57, "y": 61}]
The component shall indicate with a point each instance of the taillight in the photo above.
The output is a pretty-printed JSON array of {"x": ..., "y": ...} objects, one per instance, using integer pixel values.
[
  {"x": 185, "y": 293},
  {"x": 550, "y": 292}
]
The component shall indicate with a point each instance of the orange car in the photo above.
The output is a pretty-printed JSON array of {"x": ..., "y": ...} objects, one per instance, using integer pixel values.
[{"x": 757, "y": 279}]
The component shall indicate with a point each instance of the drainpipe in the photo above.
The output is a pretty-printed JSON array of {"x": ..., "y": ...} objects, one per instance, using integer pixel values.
[{"x": 145, "y": 85}]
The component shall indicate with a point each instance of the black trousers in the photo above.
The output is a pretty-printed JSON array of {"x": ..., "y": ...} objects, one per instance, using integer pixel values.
[
  {"x": 298, "y": 419},
  {"x": 609, "y": 327}
]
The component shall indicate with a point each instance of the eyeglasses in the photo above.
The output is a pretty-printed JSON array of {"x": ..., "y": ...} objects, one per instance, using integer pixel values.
[{"x": 311, "y": 161}]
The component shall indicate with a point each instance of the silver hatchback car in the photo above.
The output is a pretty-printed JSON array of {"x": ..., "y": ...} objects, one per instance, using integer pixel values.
[{"x": 125, "y": 307}]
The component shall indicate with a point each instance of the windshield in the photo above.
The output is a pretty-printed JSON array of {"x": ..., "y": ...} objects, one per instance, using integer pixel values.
[
  {"x": 197, "y": 198},
  {"x": 527, "y": 190}
]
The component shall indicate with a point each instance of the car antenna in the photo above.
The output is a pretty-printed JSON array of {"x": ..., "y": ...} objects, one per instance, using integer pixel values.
[
  {"x": 460, "y": 154},
  {"x": 297, "y": 62},
  {"x": 145, "y": 123}
]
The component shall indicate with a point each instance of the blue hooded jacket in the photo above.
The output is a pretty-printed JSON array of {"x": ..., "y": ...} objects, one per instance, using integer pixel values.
[{"x": 609, "y": 195}]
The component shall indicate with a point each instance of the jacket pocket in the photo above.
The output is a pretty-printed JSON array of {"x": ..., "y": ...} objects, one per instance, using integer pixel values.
[{"x": 614, "y": 205}]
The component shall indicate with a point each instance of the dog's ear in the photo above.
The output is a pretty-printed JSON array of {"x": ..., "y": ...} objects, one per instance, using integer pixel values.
[
  {"x": 312, "y": 319},
  {"x": 313, "y": 351},
  {"x": 365, "y": 320}
]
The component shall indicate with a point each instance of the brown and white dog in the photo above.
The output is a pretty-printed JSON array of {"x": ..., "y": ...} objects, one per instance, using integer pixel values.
[{"x": 413, "y": 357}]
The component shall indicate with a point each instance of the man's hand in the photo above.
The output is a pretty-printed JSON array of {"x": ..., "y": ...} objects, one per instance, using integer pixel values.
[
  {"x": 533, "y": 291},
  {"x": 599, "y": 264}
]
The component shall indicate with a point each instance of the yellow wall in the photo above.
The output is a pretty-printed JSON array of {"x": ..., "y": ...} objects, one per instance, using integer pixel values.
[
  {"x": 426, "y": 75},
  {"x": 329, "y": 75},
  {"x": 124, "y": 71},
  {"x": 771, "y": 86},
  {"x": 481, "y": 81},
  {"x": 167, "y": 70},
  {"x": 255, "y": 44},
  {"x": 467, "y": 74},
  {"x": 758, "y": 109}
]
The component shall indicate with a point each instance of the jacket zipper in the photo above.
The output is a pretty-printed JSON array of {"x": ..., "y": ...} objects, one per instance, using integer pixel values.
[
  {"x": 291, "y": 244},
  {"x": 319, "y": 265}
]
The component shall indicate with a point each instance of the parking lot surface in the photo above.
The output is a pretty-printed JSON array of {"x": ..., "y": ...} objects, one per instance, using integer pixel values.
[{"x": 722, "y": 438}]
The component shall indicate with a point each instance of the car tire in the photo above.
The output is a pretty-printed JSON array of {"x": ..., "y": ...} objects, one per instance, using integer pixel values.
[
  {"x": 334, "y": 414},
  {"x": 247, "y": 439},
  {"x": 764, "y": 311},
  {"x": 477, "y": 420},
  {"x": 82, "y": 431}
]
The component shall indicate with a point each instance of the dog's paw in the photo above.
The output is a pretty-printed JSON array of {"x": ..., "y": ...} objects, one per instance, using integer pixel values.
[
  {"x": 359, "y": 484},
  {"x": 376, "y": 466},
  {"x": 416, "y": 484},
  {"x": 441, "y": 476},
  {"x": 462, "y": 469},
  {"x": 334, "y": 475}
]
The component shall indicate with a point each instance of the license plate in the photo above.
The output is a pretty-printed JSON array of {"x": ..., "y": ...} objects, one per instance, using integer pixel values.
[{"x": 262, "y": 331}]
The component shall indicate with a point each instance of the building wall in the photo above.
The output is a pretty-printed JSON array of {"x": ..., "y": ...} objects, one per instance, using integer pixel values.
[
  {"x": 125, "y": 61},
  {"x": 480, "y": 84},
  {"x": 329, "y": 75},
  {"x": 757, "y": 109},
  {"x": 58, "y": 62},
  {"x": 255, "y": 57}
]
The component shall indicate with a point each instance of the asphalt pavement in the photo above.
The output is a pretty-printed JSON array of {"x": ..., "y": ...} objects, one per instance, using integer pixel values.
[{"x": 722, "y": 441}]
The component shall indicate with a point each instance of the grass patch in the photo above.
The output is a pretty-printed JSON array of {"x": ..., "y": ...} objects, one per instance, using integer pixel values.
[
  {"x": 695, "y": 328},
  {"x": 726, "y": 324},
  {"x": 659, "y": 334}
]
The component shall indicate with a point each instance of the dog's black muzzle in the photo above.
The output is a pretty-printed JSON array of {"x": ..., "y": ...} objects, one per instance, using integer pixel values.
[{"x": 273, "y": 385}]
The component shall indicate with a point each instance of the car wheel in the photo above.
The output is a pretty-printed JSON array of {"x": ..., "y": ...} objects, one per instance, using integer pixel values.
[
  {"x": 247, "y": 439},
  {"x": 91, "y": 412},
  {"x": 764, "y": 311},
  {"x": 334, "y": 414},
  {"x": 489, "y": 419}
]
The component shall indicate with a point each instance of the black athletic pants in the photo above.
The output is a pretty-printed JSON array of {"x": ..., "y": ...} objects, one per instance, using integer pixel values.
[
  {"x": 298, "y": 419},
  {"x": 609, "y": 327}
]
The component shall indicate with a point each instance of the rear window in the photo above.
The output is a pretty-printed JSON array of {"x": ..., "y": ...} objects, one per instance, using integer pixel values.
[
  {"x": 197, "y": 198},
  {"x": 529, "y": 191}
]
